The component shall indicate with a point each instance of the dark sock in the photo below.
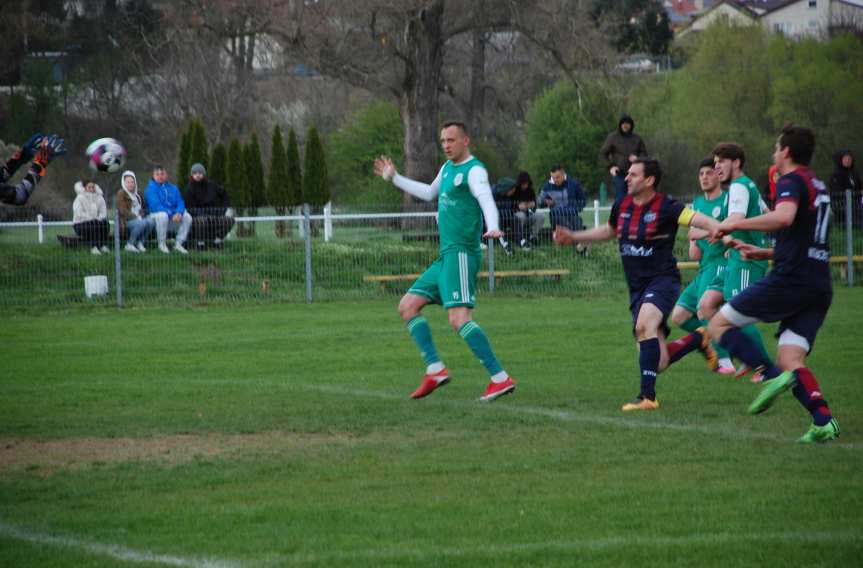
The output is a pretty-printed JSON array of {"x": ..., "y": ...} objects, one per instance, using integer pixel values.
[
  {"x": 808, "y": 392},
  {"x": 739, "y": 345},
  {"x": 648, "y": 360},
  {"x": 680, "y": 347}
]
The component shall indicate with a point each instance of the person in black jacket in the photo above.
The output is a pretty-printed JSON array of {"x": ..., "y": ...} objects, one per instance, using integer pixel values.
[
  {"x": 208, "y": 203},
  {"x": 845, "y": 177}
]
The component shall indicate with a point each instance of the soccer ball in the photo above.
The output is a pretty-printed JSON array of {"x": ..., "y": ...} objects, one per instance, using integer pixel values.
[{"x": 106, "y": 155}]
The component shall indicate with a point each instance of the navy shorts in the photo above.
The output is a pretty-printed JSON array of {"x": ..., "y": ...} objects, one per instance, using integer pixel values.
[
  {"x": 798, "y": 306},
  {"x": 662, "y": 292}
]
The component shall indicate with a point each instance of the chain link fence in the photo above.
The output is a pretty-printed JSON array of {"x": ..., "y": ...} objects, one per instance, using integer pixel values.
[{"x": 312, "y": 255}]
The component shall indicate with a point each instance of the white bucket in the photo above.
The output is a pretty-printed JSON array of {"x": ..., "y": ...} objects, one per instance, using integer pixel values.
[{"x": 95, "y": 285}]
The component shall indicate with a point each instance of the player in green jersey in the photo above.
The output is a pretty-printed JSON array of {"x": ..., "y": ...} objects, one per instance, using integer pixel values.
[
  {"x": 464, "y": 198},
  {"x": 744, "y": 202},
  {"x": 711, "y": 262}
]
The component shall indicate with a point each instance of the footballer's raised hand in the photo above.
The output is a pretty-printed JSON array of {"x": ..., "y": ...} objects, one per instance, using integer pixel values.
[
  {"x": 385, "y": 168},
  {"x": 492, "y": 234},
  {"x": 751, "y": 252}
]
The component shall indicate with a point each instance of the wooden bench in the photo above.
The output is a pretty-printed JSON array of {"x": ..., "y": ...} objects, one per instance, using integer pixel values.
[
  {"x": 841, "y": 260},
  {"x": 554, "y": 273}
]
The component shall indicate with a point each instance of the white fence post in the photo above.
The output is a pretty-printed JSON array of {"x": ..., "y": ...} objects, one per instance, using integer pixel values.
[
  {"x": 328, "y": 221},
  {"x": 41, "y": 228},
  {"x": 596, "y": 213}
]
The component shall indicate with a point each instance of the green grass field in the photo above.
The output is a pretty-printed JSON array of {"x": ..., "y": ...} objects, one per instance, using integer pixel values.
[{"x": 282, "y": 434}]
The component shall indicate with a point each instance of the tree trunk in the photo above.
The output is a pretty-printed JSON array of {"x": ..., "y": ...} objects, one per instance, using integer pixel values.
[
  {"x": 419, "y": 99},
  {"x": 477, "y": 81}
]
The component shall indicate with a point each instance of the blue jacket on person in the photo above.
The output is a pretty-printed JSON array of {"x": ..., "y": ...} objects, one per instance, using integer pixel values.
[
  {"x": 568, "y": 193},
  {"x": 164, "y": 197}
]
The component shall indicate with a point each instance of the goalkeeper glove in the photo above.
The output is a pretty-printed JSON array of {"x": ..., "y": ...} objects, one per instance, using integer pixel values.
[{"x": 49, "y": 147}]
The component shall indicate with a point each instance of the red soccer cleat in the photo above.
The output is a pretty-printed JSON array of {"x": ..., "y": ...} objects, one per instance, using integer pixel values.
[
  {"x": 431, "y": 382},
  {"x": 497, "y": 390}
]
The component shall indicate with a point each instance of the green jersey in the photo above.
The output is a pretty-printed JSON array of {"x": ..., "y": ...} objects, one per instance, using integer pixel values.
[
  {"x": 711, "y": 254},
  {"x": 744, "y": 198},
  {"x": 459, "y": 213}
]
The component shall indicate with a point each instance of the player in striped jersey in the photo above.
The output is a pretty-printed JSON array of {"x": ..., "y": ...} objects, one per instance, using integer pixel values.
[{"x": 645, "y": 224}]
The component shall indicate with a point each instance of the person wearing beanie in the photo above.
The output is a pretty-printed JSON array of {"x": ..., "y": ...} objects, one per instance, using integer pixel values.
[
  {"x": 620, "y": 148},
  {"x": 208, "y": 203},
  {"x": 133, "y": 214}
]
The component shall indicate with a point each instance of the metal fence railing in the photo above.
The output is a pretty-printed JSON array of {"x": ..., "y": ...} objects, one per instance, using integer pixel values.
[{"x": 312, "y": 255}]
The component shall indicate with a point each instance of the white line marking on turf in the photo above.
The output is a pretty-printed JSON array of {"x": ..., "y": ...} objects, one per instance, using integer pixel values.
[
  {"x": 571, "y": 416},
  {"x": 111, "y": 550},
  {"x": 572, "y": 546}
]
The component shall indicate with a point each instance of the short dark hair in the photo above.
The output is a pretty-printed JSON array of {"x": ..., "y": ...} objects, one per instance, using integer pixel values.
[
  {"x": 730, "y": 151},
  {"x": 706, "y": 163},
  {"x": 556, "y": 168},
  {"x": 158, "y": 167},
  {"x": 800, "y": 142},
  {"x": 651, "y": 169},
  {"x": 461, "y": 125}
]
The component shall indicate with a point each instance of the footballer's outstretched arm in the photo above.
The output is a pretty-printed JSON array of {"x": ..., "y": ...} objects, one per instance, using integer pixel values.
[
  {"x": 385, "y": 168},
  {"x": 564, "y": 236},
  {"x": 480, "y": 188}
]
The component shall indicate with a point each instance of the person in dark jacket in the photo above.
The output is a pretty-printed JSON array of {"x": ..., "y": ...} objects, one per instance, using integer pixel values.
[
  {"x": 564, "y": 199},
  {"x": 208, "y": 203},
  {"x": 845, "y": 177},
  {"x": 620, "y": 148}
]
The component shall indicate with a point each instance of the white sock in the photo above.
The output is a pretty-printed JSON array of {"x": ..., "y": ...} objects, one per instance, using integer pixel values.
[
  {"x": 499, "y": 377},
  {"x": 725, "y": 362},
  {"x": 435, "y": 368}
]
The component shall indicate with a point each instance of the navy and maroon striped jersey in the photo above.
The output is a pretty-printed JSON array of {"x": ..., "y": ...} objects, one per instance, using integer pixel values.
[
  {"x": 645, "y": 236},
  {"x": 803, "y": 249}
]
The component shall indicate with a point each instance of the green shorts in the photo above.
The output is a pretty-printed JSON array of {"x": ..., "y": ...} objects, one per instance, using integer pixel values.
[
  {"x": 740, "y": 275},
  {"x": 450, "y": 280},
  {"x": 708, "y": 278}
]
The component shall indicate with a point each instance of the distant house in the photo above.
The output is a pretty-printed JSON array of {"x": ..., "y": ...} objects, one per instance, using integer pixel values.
[{"x": 794, "y": 18}]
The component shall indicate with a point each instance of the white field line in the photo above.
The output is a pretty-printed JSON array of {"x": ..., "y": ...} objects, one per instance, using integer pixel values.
[
  {"x": 583, "y": 545},
  {"x": 111, "y": 550},
  {"x": 571, "y": 416}
]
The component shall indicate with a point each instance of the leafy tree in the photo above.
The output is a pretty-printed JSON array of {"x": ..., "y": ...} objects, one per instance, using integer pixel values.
[
  {"x": 235, "y": 175},
  {"x": 561, "y": 130},
  {"x": 316, "y": 191},
  {"x": 368, "y": 133},
  {"x": 254, "y": 173},
  {"x": 198, "y": 150},
  {"x": 278, "y": 180},
  {"x": 218, "y": 165},
  {"x": 635, "y": 26},
  {"x": 37, "y": 108},
  {"x": 295, "y": 175},
  {"x": 184, "y": 163}
]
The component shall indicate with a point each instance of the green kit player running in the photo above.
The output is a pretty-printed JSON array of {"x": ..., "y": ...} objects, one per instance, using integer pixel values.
[
  {"x": 464, "y": 198},
  {"x": 711, "y": 263},
  {"x": 744, "y": 202}
]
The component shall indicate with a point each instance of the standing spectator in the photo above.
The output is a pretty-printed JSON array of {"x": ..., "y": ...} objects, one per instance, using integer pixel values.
[
  {"x": 133, "y": 215},
  {"x": 208, "y": 203},
  {"x": 90, "y": 216},
  {"x": 564, "y": 198},
  {"x": 620, "y": 148},
  {"x": 844, "y": 177},
  {"x": 167, "y": 210},
  {"x": 772, "y": 177}
]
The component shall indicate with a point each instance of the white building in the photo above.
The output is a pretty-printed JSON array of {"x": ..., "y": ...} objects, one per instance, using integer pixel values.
[{"x": 795, "y": 18}]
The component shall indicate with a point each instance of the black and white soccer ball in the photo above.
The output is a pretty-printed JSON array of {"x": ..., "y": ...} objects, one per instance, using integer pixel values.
[{"x": 106, "y": 155}]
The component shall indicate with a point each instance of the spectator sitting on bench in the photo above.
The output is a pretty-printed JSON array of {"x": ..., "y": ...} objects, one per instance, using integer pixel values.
[
  {"x": 167, "y": 210},
  {"x": 90, "y": 216},
  {"x": 564, "y": 198},
  {"x": 133, "y": 213},
  {"x": 208, "y": 203},
  {"x": 524, "y": 205}
]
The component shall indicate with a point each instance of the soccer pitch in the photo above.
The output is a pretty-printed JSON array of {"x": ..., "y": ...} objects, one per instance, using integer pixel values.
[{"x": 283, "y": 435}]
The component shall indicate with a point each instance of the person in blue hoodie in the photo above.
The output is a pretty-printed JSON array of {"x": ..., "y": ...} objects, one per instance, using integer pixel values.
[{"x": 167, "y": 210}]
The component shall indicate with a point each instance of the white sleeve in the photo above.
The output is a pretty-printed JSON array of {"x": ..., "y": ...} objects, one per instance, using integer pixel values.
[
  {"x": 738, "y": 199},
  {"x": 480, "y": 188},
  {"x": 418, "y": 189}
]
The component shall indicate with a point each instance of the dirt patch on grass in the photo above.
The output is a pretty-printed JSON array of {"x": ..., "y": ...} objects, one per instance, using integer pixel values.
[{"x": 45, "y": 457}]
